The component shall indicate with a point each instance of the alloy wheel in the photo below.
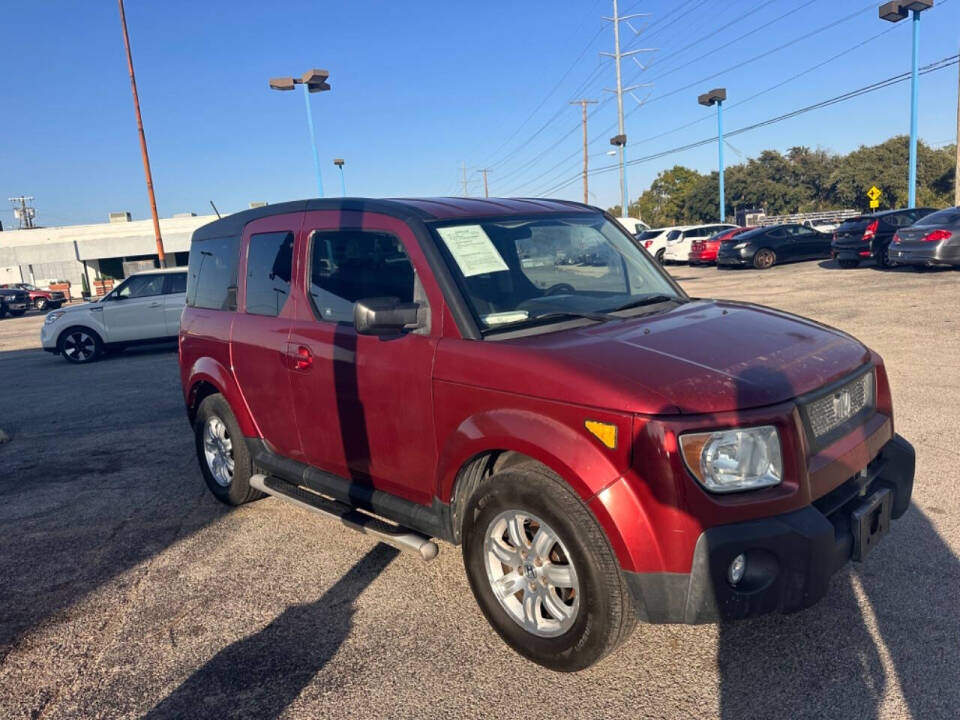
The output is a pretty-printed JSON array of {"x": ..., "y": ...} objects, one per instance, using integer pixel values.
[
  {"x": 218, "y": 450},
  {"x": 79, "y": 346},
  {"x": 531, "y": 573}
]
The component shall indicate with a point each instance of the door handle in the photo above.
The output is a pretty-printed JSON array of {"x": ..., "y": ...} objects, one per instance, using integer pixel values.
[{"x": 300, "y": 355}]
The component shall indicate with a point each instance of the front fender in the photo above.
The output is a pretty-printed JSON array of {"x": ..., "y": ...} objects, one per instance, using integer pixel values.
[
  {"x": 208, "y": 370},
  {"x": 594, "y": 472}
]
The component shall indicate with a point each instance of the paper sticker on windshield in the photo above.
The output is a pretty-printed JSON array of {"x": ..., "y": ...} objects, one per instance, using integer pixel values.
[{"x": 473, "y": 250}]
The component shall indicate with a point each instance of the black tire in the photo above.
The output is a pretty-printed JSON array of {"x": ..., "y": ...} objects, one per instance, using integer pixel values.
[
  {"x": 764, "y": 259},
  {"x": 848, "y": 263},
  {"x": 17, "y": 313},
  {"x": 41, "y": 304},
  {"x": 882, "y": 257},
  {"x": 79, "y": 345},
  {"x": 606, "y": 615},
  {"x": 238, "y": 491},
  {"x": 659, "y": 255}
]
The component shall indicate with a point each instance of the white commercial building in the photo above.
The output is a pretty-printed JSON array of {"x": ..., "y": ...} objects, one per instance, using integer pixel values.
[{"x": 106, "y": 251}]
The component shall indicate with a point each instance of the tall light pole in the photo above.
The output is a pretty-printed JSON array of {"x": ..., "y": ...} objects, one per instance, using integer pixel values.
[
  {"x": 895, "y": 12},
  {"x": 161, "y": 256},
  {"x": 343, "y": 183},
  {"x": 312, "y": 81},
  {"x": 716, "y": 97}
]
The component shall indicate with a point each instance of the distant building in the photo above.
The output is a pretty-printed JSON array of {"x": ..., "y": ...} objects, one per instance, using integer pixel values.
[{"x": 110, "y": 250}]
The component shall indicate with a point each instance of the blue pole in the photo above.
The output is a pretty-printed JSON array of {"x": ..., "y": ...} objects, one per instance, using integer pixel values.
[
  {"x": 912, "y": 182},
  {"x": 723, "y": 202},
  {"x": 343, "y": 183},
  {"x": 313, "y": 140}
]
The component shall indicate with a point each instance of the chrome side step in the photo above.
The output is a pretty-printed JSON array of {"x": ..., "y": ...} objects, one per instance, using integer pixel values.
[{"x": 399, "y": 537}]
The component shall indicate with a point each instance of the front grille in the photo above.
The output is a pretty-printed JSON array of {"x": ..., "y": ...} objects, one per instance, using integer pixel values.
[{"x": 835, "y": 408}]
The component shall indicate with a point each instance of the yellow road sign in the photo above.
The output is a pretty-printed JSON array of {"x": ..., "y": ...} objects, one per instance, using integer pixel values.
[
  {"x": 874, "y": 203},
  {"x": 874, "y": 194}
]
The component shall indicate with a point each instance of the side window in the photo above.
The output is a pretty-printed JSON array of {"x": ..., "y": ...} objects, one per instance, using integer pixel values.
[
  {"x": 777, "y": 234},
  {"x": 140, "y": 286},
  {"x": 269, "y": 267},
  {"x": 176, "y": 283},
  {"x": 349, "y": 265},
  {"x": 212, "y": 274}
]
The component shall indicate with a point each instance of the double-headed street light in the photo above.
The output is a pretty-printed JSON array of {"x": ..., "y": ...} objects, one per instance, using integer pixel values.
[
  {"x": 312, "y": 81},
  {"x": 895, "y": 12},
  {"x": 343, "y": 185},
  {"x": 716, "y": 97}
]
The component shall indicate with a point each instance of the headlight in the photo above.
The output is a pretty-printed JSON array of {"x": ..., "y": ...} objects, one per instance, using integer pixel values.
[
  {"x": 726, "y": 461},
  {"x": 740, "y": 246},
  {"x": 53, "y": 316}
]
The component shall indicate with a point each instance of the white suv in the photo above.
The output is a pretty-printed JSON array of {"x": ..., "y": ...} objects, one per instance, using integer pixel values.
[
  {"x": 654, "y": 240},
  {"x": 679, "y": 240},
  {"x": 144, "y": 308}
]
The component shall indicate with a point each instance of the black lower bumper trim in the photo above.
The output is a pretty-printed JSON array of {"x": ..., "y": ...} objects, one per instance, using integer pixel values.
[{"x": 790, "y": 558}]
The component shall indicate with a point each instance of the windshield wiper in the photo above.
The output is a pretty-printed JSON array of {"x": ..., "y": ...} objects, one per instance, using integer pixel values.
[
  {"x": 550, "y": 317},
  {"x": 649, "y": 300}
]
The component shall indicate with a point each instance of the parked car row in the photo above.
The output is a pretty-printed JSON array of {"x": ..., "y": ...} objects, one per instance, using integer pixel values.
[{"x": 914, "y": 236}]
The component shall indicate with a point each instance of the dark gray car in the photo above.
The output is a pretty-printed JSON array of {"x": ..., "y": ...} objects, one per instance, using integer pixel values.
[{"x": 932, "y": 240}]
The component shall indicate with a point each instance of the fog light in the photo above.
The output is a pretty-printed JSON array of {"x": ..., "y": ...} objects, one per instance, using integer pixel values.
[{"x": 737, "y": 568}]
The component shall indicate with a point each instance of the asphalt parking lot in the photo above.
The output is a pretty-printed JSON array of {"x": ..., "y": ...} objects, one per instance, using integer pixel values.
[{"x": 126, "y": 590}]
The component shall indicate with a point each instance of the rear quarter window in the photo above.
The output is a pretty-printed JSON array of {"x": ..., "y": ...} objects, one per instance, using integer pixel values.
[{"x": 212, "y": 273}]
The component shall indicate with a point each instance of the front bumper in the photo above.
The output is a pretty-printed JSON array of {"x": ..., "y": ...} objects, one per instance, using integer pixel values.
[
  {"x": 790, "y": 557},
  {"x": 736, "y": 259}
]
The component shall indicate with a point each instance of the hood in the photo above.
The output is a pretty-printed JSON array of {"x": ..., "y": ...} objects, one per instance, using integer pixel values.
[
  {"x": 702, "y": 357},
  {"x": 76, "y": 308}
]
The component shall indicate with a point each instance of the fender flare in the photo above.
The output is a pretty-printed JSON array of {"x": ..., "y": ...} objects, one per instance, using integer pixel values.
[
  {"x": 208, "y": 370},
  {"x": 583, "y": 466}
]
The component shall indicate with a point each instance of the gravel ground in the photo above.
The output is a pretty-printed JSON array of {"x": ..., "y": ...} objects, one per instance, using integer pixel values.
[{"x": 127, "y": 591}]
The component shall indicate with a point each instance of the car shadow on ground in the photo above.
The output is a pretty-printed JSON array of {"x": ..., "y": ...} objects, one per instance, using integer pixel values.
[
  {"x": 265, "y": 672},
  {"x": 888, "y": 622},
  {"x": 830, "y": 264}
]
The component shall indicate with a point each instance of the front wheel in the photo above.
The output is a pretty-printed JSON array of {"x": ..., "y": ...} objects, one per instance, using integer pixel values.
[
  {"x": 659, "y": 256},
  {"x": 225, "y": 461},
  {"x": 542, "y": 570},
  {"x": 80, "y": 345},
  {"x": 882, "y": 257},
  {"x": 41, "y": 304},
  {"x": 764, "y": 259}
]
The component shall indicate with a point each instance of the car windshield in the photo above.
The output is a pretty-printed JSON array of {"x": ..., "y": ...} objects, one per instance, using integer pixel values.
[
  {"x": 950, "y": 216},
  {"x": 539, "y": 269}
]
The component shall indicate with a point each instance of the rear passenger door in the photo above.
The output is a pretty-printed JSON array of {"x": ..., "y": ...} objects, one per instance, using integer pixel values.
[
  {"x": 364, "y": 404},
  {"x": 261, "y": 326},
  {"x": 174, "y": 297}
]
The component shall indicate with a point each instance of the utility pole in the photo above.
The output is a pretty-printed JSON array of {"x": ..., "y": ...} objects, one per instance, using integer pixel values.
[
  {"x": 143, "y": 140},
  {"x": 956, "y": 172},
  {"x": 583, "y": 106},
  {"x": 486, "y": 190},
  {"x": 23, "y": 212},
  {"x": 620, "y": 139},
  {"x": 465, "y": 193}
]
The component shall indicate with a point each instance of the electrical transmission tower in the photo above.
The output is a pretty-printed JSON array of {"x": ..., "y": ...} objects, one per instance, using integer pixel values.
[
  {"x": 23, "y": 212},
  {"x": 620, "y": 139},
  {"x": 583, "y": 105}
]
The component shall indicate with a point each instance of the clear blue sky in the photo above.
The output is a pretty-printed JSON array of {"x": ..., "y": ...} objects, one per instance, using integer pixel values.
[{"x": 418, "y": 88}]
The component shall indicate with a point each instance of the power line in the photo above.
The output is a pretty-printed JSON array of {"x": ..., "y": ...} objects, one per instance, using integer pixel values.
[{"x": 873, "y": 87}]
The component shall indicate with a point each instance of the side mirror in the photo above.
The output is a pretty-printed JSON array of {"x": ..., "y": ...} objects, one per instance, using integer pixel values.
[{"x": 385, "y": 316}]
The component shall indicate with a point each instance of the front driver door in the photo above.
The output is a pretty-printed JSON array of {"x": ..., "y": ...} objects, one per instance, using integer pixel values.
[
  {"x": 134, "y": 311},
  {"x": 364, "y": 404}
]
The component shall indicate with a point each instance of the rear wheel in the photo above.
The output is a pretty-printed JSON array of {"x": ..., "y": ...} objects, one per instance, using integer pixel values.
[
  {"x": 542, "y": 570},
  {"x": 17, "y": 313},
  {"x": 79, "y": 345},
  {"x": 882, "y": 256},
  {"x": 848, "y": 263},
  {"x": 225, "y": 461},
  {"x": 659, "y": 255},
  {"x": 764, "y": 259},
  {"x": 41, "y": 304}
]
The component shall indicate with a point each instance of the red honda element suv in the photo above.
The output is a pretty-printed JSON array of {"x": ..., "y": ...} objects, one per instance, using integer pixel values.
[{"x": 518, "y": 377}]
